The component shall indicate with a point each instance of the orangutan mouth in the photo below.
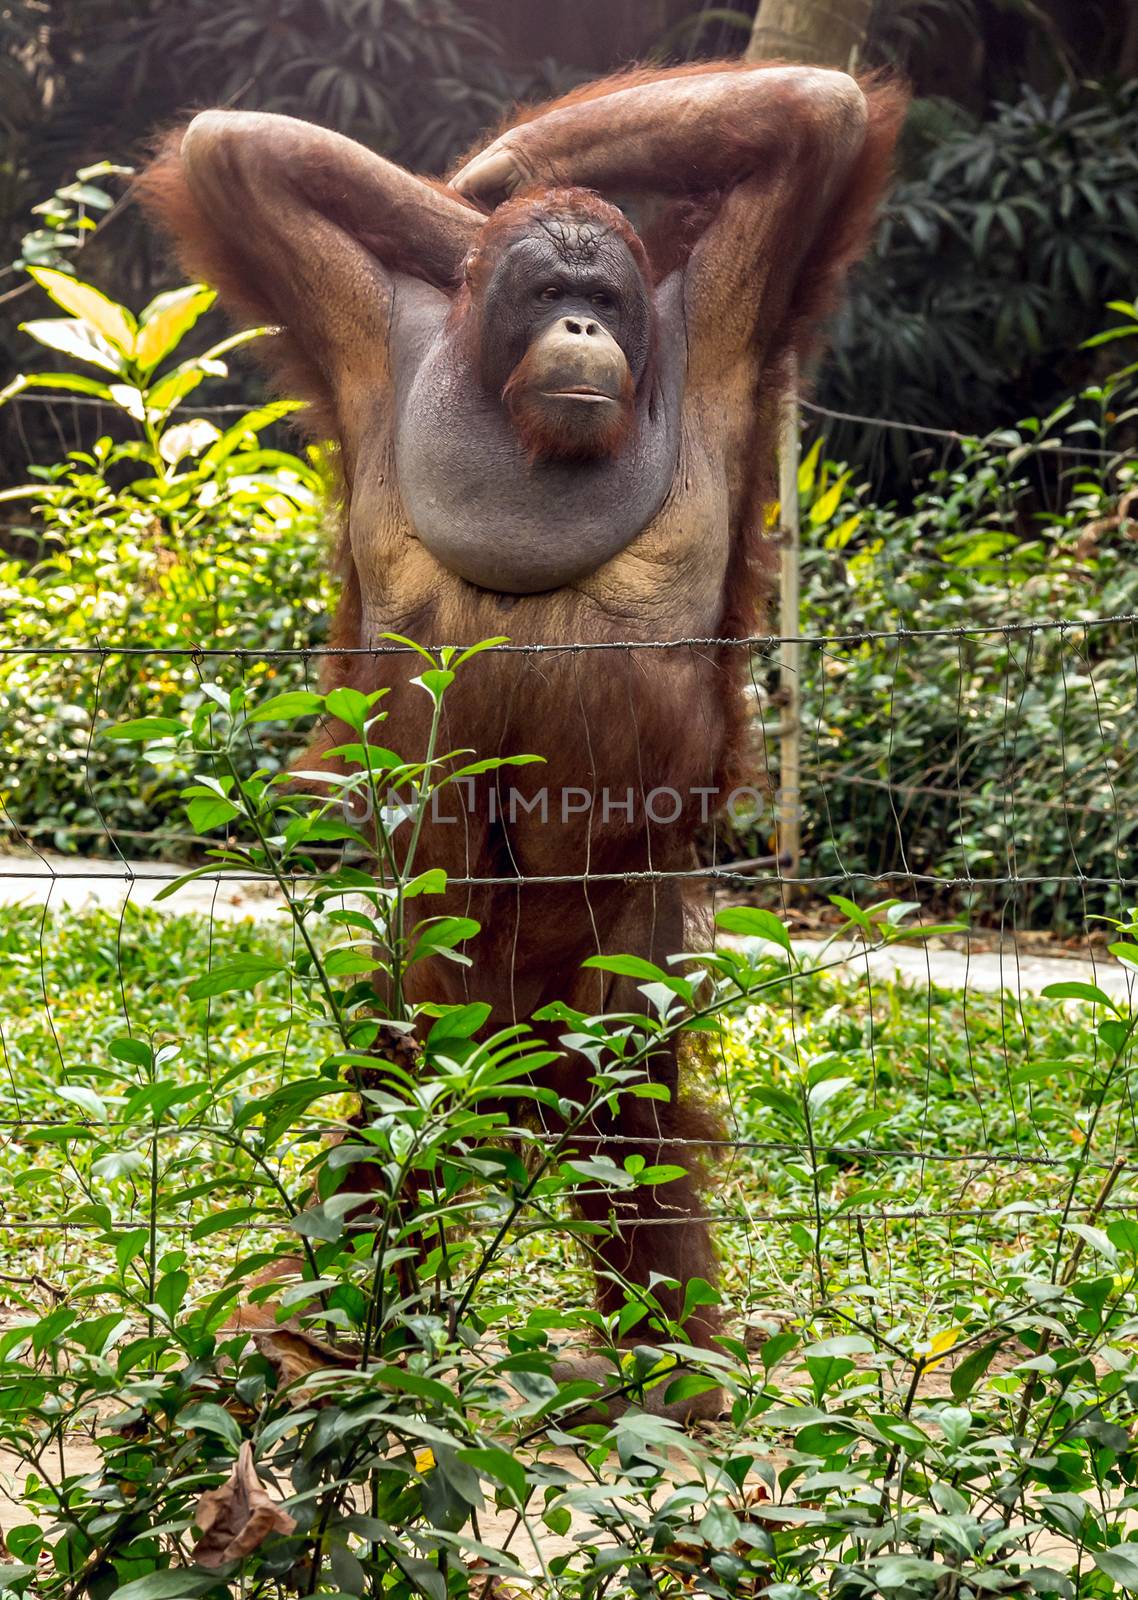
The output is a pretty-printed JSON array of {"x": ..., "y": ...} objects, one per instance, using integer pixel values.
[{"x": 591, "y": 396}]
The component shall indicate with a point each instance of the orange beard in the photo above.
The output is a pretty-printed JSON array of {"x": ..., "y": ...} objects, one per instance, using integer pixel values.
[{"x": 549, "y": 431}]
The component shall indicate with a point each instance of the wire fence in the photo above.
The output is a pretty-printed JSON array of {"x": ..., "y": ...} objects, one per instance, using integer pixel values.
[
  {"x": 1019, "y": 823},
  {"x": 1005, "y": 763},
  {"x": 983, "y": 770}
]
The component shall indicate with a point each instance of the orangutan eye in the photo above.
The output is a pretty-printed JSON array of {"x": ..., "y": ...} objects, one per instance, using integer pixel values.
[
  {"x": 603, "y": 302},
  {"x": 550, "y": 293}
]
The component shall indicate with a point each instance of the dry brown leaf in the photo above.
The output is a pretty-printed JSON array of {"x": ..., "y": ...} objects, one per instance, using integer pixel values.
[
  {"x": 295, "y": 1354},
  {"x": 237, "y": 1517},
  {"x": 497, "y": 1587}
]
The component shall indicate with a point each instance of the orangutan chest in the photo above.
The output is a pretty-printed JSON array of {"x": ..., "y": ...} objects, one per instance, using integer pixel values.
[{"x": 491, "y": 516}]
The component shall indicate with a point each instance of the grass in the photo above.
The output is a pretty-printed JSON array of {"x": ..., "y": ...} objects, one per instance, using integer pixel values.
[
  {"x": 934, "y": 1372},
  {"x": 915, "y": 1073}
]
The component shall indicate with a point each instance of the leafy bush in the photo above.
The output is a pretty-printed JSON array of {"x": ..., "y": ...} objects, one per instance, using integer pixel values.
[
  {"x": 939, "y": 1401},
  {"x": 990, "y": 755},
  {"x": 182, "y": 536}
]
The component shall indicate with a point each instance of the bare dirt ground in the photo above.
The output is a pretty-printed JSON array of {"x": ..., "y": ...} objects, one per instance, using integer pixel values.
[{"x": 531, "y": 1544}]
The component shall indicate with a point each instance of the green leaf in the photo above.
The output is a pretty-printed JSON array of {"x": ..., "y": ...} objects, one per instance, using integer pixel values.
[
  {"x": 77, "y": 1094},
  {"x": 166, "y": 321},
  {"x": 178, "y": 1584},
  {"x": 853, "y": 913},
  {"x": 219, "y": 1221},
  {"x": 461, "y": 1023},
  {"x": 207, "y": 1417},
  {"x": 442, "y": 933},
  {"x": 187, "y": 877},
  {"x": 144, "y": 728},
  {"x": 119, "y": 1163},
  {"x": 112, "y": 322},
  {"x": 171, "y": 1291},
  {"x": 1123, "y": 1235},
  {"x": 135, "y": 1052},
  {"x": 288, "y": 707},
  {"x": 808, "y": 467},
  {"x": 627, "y": 967},
  {"x": 500, "y": 1466},
  {"x": 839, "y": 537},
  {"x": 1095, "y": 1237},
  {"x": 483, "y": 644},
  {"x": 206, "y": 814},
  {"x": 436, "y": 682},
  {"x": 698, "y": 1292},
  {"x": 350, "y": 706},
  {"x": 71, "y": 382},
  {"x": 967, "y": 1375},
  {"x": 1073, "y": 990},
  {"x": 347, "y": 962},
  {"x": 433, "y": 881},
  {"x": 244, "y": 973},
  {"x": 129, "y": 1245},
  {"x": 719, "y": 1527},
  {"x": 825, "y": 1091},
  {"x": 74, "y": 339},
  {"x": 1120, "y": 1564},
  {"x": 753, "y": 923},
  {"x": 417, "y": 1384},
  {"x": 828, "y": 502}
]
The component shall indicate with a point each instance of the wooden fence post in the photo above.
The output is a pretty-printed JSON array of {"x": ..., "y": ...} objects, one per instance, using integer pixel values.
[{"x": 789, "y": 798}]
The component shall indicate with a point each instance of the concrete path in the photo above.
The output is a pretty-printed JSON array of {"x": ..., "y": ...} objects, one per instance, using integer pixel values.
[
  {"x": 76, "y": 883},
  {"x": 73, "y": 883},
  {"x": 984, "y": 971}
]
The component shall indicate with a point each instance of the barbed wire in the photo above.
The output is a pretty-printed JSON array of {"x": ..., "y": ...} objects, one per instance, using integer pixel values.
[
  {"x": 762, "y": 642},
  {"x": 304, "y": 1132},
  {"x": 1050, "y": 447},
  {"x": 647, "y": 876},
  {"x": 275, "y": 1223}
]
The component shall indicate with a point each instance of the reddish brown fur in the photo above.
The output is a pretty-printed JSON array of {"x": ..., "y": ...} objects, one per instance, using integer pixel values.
[
  {"x": 541, "y": 434},
  {"x": 677, "y": 718},
  {"x": 516, "y": 217},
  {"x": 207, "y": 254},
  {"x": 817, "y": 291}
]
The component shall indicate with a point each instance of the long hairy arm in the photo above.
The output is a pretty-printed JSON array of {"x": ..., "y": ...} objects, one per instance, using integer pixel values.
[
  {"x": 783, "y": 166},
  {"x": 301, "y": 228}
]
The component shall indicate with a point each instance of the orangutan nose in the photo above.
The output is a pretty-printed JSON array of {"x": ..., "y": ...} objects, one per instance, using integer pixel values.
[{"x": 576, "y": 358}]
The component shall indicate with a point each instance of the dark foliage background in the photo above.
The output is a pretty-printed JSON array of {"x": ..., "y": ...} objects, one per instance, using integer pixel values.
[{"x": 1014, "y": 221}]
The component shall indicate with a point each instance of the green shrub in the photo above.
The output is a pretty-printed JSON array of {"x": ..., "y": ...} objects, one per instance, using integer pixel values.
[
  {"x": 183, "y": 535},
  {"x": 989, "y": 755},
  {"x": 994, "y": 259}
]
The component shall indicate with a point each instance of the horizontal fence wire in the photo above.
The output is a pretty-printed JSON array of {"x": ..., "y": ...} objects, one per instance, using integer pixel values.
[
  {"x": 1018, "y": 1211},
  {"x": 301, "y": 1132},
  {"x": 1051, "y": 447},
  {"x": 763, "y": 643}
]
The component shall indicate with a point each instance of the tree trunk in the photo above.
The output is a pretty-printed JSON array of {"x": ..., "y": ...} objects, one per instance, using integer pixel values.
[
  {"x": 826, "y": 32},
  {"x": 1128, "y": 57}
]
